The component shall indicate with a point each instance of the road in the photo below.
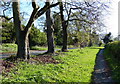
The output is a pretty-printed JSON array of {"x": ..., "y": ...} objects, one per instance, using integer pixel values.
[{"x": 32, "y": 52}]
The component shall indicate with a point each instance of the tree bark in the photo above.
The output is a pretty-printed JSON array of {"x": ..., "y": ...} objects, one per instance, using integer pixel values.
[
  {"x": 64, "y": 48},
  {"x": 21, "y": 35},
  {"x": 50, "y": 39},
  {"x": 64, "y": 27}
]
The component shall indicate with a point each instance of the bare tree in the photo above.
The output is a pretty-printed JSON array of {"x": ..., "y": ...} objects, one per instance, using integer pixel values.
[
  {"x": 50, "y": 39},
  {"x": 22, "y": 33},
  {"x": 88, "y": 14},
  {"x": 64, "y": 27}
]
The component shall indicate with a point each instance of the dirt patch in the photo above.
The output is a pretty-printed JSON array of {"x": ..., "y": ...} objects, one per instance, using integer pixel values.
[
  {"x": 45, "y": 59},
  {"x": 6, "y": 65}
]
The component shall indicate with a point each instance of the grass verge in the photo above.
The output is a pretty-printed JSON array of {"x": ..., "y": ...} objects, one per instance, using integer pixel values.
[
  {"x": 8, "y": 47},
  {"x": 76, "y": 65},
  {"x": 38, "y": 48}
]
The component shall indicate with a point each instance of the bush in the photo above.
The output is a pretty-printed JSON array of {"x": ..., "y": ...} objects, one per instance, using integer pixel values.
[
  {"x": 114, "y": 49},
  {"x": 112, "y": 56},
  {"x": 8, "y": 33},
  {"x": 37, "y": 38}
]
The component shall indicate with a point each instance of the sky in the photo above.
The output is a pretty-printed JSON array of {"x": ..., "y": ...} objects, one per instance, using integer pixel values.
[{"x": 111, "y": 20}]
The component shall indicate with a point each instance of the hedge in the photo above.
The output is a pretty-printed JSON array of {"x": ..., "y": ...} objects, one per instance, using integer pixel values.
[{"x": 114, "y": 49}]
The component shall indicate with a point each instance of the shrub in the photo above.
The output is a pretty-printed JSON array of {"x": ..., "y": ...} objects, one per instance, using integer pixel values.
[
  {"x": 37, "y": 37},
  {"x": 114, "y": 49},
  {"x": 8, "y": 33},
  {"x": 112, "y": 56}
]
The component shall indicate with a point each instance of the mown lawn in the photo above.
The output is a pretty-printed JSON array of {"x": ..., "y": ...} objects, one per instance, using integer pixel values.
[{"x": 76, "y": 65}]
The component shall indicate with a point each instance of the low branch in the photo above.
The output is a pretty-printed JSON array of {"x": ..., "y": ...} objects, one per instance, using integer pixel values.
[
  {"x": 37, "y": 13},
  {"x": 34, "y": 5},
  {"x": 44, "y": 9},
  {"x": 32, "y": 17},
  {"x": 7, "y": 18}
]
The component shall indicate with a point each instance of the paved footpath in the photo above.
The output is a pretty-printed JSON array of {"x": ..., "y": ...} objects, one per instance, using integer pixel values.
[{"x": 101, "y": 73}]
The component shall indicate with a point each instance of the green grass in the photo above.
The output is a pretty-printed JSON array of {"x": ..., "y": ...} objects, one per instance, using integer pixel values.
[
  {"x": 38, "y": 48},
  {"x": 8, "y": 47},
  {"x": 43, "y": 48},
  {"x": 112, "y": 52},
  {"x": 75, "y": 66}
]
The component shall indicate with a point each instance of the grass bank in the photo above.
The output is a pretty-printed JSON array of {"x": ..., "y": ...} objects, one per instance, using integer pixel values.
[
  {"x": 112, "y": 55},
  {"x": 8, "y": 47},
  {"x": 76, "y": 65}
]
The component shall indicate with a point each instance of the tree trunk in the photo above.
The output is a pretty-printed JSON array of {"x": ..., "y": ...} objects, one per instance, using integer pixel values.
[
  {"x": 64, "y": 48},
  {"x": 21, "y": 35},
  {"x": 64, "y": 27},
  {"x": 50, "y": 39},
  {"x": 21, "y": 45}
]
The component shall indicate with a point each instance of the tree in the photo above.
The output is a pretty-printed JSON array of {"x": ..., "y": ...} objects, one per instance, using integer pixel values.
[
  {"x": 36, "y": 37},
  {"x": 64, "y": 27},
  {"x": 87, "y": 18},
  {"x": 50, "y": 39},
  {"x": 22, "y": 33},
  {"x": 57, "y": 29}
]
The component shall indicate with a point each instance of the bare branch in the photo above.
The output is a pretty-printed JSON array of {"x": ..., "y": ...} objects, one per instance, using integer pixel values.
[
  {"x": 32, "y": 17},
  {"x": 34, "y": 5},
  {"x": 44, "y": 9},
  {"x": 6, "y": 17},
  {"x": 37, "y": 13},
  {"x": 90, "y": 22}
]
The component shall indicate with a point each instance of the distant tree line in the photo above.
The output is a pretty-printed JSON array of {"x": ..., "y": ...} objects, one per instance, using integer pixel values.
[{"x": 36, "y": 37}]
